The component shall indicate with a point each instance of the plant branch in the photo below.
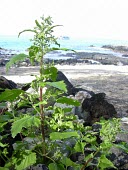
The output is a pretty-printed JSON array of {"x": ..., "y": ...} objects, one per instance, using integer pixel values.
[
  {"x": 89, "y": 160},
  {"x": 42, "y": 109}
]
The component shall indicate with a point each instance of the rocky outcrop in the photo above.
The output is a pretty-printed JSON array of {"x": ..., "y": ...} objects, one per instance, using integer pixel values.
[
  {"x": 3, "y": 62},
  {"x": 74, "y": 58},
  {"x": 125, "y": 55},
  {"x": 71, "y": 90},
  {"x": 7, "y": 84},
  {"x": 116, "y": 48},
  {"x": 97, "y": 107}
]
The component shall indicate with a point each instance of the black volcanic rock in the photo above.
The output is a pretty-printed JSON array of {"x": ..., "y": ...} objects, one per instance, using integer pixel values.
[
  {"x": 70, "y": 88},
  {"x": 125, "y": 55},
  {"x": 116, "y": 48},
  {"x": 98, "y": 107},
  {"x": 7, "y": 84}
]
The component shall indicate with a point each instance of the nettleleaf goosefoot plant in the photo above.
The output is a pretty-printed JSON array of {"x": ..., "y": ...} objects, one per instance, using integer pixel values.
[{"x": 50, "y": 135}]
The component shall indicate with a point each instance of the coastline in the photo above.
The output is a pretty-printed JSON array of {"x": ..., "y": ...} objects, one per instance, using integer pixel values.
[
  {"x": 97, "y": 72},
  {"x": 104, "y": 57},
  {"x": 110, "y": 79}
]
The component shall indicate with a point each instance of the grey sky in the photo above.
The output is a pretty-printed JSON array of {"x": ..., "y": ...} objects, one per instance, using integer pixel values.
[{"x": 80, "y": 18}]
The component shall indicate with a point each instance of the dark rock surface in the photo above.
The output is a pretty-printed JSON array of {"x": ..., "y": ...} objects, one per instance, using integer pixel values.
[
  {"x": 70, "y": 88},
  {"x": 3, "y": 62},
  {"x": 120, "y": 48},
  {"x": 125, "y": 55},
  {"x": 7, "y": 84},
  {"x": 78, "y": 57},
  {"x": 95, "y": 58},
  {"x": 98, "y": 107},
  {"x": 120, "y": 160},
  {"x": 61, "y": 76}
]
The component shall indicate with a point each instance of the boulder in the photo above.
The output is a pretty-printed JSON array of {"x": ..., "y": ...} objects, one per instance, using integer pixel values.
[
  {"x": 61, "y": 76},
  {"x": 70, "y": 88},
  {"x": 119, "y": 158},
  {"x": 98, "y": 107},
  {"x": 125, "y": 55},
  {"x": 7, "y": 84},
  {"x": 116, "y": 48}
]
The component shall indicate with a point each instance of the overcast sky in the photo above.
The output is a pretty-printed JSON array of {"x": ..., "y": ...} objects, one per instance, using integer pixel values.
[{"x": 80, "y": 18}]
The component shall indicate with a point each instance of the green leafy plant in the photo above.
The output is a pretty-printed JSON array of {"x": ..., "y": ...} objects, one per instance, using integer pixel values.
[{"x": 50, "y": 134}]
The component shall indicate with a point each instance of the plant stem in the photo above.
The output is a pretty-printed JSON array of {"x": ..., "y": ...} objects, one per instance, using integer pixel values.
[
  {"x": 89, "y": 160},
  {"x": 42, "y": 108},
  {"x": 21, "y": 137},
  {"x": 3, "y": 158},
  {"x": 42, "y": 115}
]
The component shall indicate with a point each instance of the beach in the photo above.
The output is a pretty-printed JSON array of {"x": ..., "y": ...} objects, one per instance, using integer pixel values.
[
  {"x": 98, "y": 69},
  {"x": 100, "y": 73},
  {"x": 110, "y": 79}
]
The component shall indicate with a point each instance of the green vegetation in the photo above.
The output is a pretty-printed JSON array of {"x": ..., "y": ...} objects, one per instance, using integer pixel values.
[{"x": 48, "y": 134}]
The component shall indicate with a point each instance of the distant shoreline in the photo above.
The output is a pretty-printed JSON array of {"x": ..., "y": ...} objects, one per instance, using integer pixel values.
[
  {"x": 106, "y": 55},
  {"x": 70, "y": 58}
]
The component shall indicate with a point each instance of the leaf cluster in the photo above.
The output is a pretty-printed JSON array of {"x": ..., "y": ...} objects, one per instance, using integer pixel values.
[{"x": 50, "y": 134}]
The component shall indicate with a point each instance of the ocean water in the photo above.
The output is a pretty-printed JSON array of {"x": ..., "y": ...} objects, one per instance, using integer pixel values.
[
  {"x": 14, "y": 43},
  {"x": 18, "y": 45}
]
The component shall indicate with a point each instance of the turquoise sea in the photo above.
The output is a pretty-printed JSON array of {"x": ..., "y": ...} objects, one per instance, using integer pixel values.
[{"x": 20, "y": 44}]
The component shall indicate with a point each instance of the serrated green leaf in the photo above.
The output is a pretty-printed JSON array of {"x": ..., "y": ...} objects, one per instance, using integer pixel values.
[
  {"x": 106, "y": 145},
  {"x": 68, "y": 124},
  {"x": 26, "y": 121},
  {"x": 3, "y": 105},
  {"x": 67, "y": 49},
  {"x": 79, "y": 147},
  {"x": 10, "y": 95},
  {"x": 15, "y": 59},
  {"x": 53, "y": 75},
  {"x": 67, "y": 161},
  {"x": 2, "y": 145},
  {"x": 4, "y": 118},
  {"x": 38, "y": 25},
  {"x": 61, "y": 49},
  {"x": 28, "y": 160},
  {"x": 51, "y": 28},
  {"x": 66, "y": 110},
  {"x": 55, "y": 166},
  {"x": 2, "y": 125},
  {"x": 104, "y": 163},
  {"x": 77, "y": 167},
  {"x": 3, "y": 168},
  {"x": 27, "y": 30},
  {"x": 52, "y": 71},
  {"x": 89, "y": 138},
  {"x": 69, "y": 101},
  {"x": 62, "y": 135},
  {"x": 43, "y": 103},
  {"x": 123, "y": 146},
  {"x": 59, "y": 85}
]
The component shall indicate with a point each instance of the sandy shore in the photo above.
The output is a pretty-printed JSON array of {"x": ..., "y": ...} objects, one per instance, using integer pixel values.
[
  {"x": 24, "y": 74},
  {"x": 110, "y": 79}
]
